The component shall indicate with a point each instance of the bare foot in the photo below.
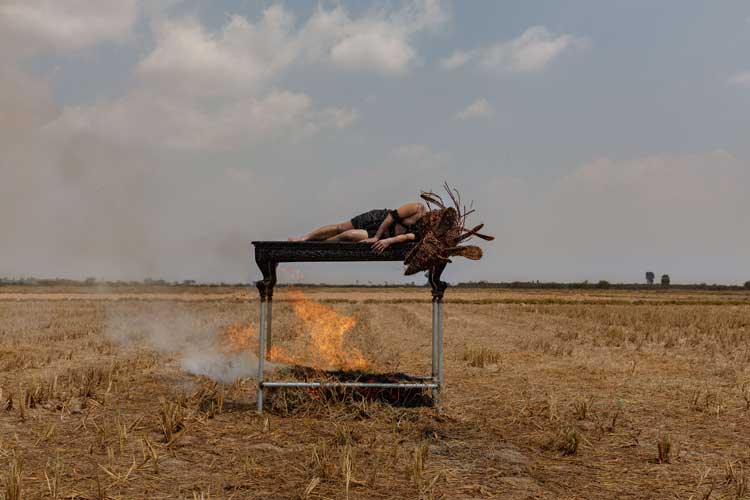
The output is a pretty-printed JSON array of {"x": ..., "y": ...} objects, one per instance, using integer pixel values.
[{"x": 298, "y": 239}]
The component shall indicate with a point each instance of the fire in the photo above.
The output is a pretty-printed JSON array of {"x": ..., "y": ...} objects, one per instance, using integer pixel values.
[
  {"x": 241, "y": 337},
  {"x": 327, "y": 330},
  {"x": 238, "y": 338},
  {"x": 322, "y": 348}
]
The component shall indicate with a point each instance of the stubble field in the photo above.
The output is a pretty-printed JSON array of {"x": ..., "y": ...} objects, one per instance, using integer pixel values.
[{"x": 549, "y": 394}]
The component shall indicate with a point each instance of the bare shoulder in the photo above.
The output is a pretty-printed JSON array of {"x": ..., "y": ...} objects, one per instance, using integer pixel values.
[{"x": 409, "y": 209}]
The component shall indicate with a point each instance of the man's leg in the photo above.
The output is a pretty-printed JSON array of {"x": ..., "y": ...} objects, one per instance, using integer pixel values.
[
  {"x": 326, "y": 232},
  {"x": 350, "y": 235}
]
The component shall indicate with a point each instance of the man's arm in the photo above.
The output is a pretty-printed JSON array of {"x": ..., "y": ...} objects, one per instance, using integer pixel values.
[
  {"x": 381, "y": 245},
  {"x": 383, "y": 227}
]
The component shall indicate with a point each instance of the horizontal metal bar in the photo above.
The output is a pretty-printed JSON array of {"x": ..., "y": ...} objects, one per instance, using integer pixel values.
[{"x": 378, "y": 385}]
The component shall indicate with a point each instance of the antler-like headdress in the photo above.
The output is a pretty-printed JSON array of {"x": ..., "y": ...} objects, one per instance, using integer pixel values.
[{"x": 443, "y": 228}]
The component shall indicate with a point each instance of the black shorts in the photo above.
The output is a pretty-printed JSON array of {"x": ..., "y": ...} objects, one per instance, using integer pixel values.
[{"x": 371, "y": 221}]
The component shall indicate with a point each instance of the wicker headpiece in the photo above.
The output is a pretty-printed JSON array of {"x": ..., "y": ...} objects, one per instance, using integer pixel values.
[{"x": 442, "y": 229}]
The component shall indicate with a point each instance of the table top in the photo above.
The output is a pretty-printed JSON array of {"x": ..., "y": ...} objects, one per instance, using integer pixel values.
[{"x": 326, "y": 251}]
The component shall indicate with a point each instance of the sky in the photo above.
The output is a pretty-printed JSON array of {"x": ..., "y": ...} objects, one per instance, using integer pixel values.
[{"x": 157, "y": 139}]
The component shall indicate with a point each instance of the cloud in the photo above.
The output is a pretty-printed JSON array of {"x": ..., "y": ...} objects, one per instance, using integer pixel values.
[
  {"x": 218, "y": 90},
  {"x": 741, "y": 79},
  {"x": 480, "y": 108},
  {"x": 611, "y": 219},
  {"x": 373, "y": 49},
  {"x": 148, "y": 118},
  {"x": 241, "y": 57},
  {"x": 55, "y": 25},
  {"x": 531, "y": 52},
  {"x": 381, "y": 41},
  {"x": 200, "y": 90},
  {"x": 457, "y": 59}
]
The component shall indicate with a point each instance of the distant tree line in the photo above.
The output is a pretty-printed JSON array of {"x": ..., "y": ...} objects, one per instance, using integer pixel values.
[
  {"x": 31, "y": 281},
  {"x": 583, "y": 285},
  {"x": 586, "y": 285}
]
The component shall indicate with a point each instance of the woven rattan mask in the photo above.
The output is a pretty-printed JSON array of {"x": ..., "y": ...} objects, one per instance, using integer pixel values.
[{"x": 443, "y": 228}]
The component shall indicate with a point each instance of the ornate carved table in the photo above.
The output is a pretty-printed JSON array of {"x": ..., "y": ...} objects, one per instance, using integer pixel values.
[{"x": 268, "y": 254}]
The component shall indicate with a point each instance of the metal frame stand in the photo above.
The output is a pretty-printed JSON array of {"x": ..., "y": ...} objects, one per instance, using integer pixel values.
[{"x": 434, "y": 382}]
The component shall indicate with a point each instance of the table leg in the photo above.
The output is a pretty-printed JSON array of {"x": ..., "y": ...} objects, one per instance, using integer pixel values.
[
  {"x": 269, "y": 315},
  {"x": 261, "y": 354}
]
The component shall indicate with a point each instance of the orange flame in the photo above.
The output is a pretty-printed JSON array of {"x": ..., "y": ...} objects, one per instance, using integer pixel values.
[
  {"x": 323, "y": 347},
  {"x": 238, "y": 338},
  {"x": 327, "y": 330}
]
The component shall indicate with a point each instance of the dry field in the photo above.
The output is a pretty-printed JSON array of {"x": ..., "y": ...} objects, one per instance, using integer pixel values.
[{"x": 558, "y": 394}]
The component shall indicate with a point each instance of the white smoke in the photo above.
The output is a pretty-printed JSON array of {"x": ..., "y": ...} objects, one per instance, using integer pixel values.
[
  {"x": 176, "y": 331},
  {"x": 220, "y": 366}
]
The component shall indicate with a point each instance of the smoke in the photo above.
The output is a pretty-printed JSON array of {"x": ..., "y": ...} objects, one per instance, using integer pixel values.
[
  {"x": 191, "y": 339},
  {"x": 74, "y": 205}
]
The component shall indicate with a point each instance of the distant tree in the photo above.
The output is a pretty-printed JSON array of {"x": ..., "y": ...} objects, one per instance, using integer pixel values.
[
  {"x": 89, "y": 281},
  {"x": 747, "y": 285},
  {"x": 650, "y": 277},
  {"x": 665, "y": 280},
  {"x": 603, "y": 284}
]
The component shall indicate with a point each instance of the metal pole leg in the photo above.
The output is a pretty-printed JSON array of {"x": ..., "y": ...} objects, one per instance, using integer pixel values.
[
  {"x": 440, "y": 352},
  {"x": 261, "y": 354},
  {"x": 269, "y": 310},
  {"x": 434, "y": 340}
]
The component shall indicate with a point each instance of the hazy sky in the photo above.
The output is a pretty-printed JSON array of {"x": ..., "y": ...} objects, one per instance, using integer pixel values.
[{"x": 597, "y": 139}]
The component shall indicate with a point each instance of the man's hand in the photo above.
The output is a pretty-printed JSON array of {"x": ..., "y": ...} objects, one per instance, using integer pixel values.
[
  {"x": 370, "y": 240},
  {"x": 381, "y": 245}
]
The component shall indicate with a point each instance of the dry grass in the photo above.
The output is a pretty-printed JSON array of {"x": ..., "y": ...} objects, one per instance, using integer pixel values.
[
  {"x": 12, "y": 480},
  {"x": 479, "y": 357},
  {"x": 664, "y": 447},
  {"x": 549, "y": 395}
]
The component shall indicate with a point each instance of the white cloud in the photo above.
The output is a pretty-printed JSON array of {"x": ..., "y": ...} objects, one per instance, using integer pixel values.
[
  {"x": 202, "y": 90},
  {"x": 741, "y": 79},
  {"x": 340, "y": 117},
  {"x": 531, "y": 52},
  {"x": 218, "y": 90},
  {"x": 457, "y": 59},
  {"x": 480, "y": 108},
  {"x": 374, "y": 49},
  {"x": 73, "y": 24},
  {"x": 380, "y": 41},
  {"x": 239, "y": 58},
  {"x": 152, "y": 119}
]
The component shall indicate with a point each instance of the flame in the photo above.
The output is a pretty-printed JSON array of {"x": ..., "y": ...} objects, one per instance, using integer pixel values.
[
  {"x": 327, "y": 330},
  {"x": 239, "y": 337},
  {"x": 322, "y": 348}
]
